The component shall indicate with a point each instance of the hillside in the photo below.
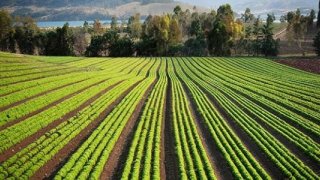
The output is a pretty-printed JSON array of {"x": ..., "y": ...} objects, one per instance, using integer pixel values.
[
  {"x": 91, "y": 12},
  {"x": 75, "y": 3}
]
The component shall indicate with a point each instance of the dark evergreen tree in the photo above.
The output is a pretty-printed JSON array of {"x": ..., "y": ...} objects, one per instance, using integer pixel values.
[{"x": 316, "y": 43}]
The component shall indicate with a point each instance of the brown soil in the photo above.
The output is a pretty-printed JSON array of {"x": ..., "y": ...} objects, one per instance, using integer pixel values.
[
  {"x": 11, "y": 123},
  {"x": 114, "y": 165},
  {"x": 54, "y": 164},
  {"x": 24, "y": 143},
  {"x": 170, "y": 159},
  {"x": 309, "y": 65},
  {"x": 36, "y": 96}
]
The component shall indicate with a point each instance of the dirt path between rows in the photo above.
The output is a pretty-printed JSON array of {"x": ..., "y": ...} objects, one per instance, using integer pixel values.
[
  {"x": 56, "y": 163},
  {"x": 170, "y": 159},
  {"x": 24, "y": 143}
]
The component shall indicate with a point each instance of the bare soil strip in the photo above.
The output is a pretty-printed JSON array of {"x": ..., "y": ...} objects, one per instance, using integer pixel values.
[
  {"x": 162, "y": 147},
  {"x": 309, "y": 65},
  {"x": 24, "y": 143},
  {"x": 116, "y": 161},
  {"x": 218, "y": 162},
  {"x": 170, "y": 159},
  {"x": 11, "y": 123},
  {"x": 37, "y": 95},
  {"x": 56, "y": 163}
]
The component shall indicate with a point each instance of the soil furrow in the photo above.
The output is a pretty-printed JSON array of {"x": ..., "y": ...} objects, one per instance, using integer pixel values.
[{"x": 170, "y": 159}]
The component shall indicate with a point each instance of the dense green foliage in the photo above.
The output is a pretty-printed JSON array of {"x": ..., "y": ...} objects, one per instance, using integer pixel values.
[{"x": 316, "y": 43}]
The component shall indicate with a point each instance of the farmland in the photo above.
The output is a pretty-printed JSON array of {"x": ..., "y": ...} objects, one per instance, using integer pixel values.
[{"x": 158, "y": 118}]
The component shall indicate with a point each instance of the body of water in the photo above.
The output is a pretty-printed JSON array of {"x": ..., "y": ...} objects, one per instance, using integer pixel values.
[{"x": 47, "y": 24}]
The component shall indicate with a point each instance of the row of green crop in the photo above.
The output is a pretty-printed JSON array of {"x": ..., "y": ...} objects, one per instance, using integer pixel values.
[
  {"x": 273, "y": 88},
  {"x": 42, "y": 101},
  {"x": 143, "y": 159},
  {"x": 307, "y": 145},
  {"x": 260, "y": 96},
  {"x": 251, "y": 70},
  {"x": 278, "y": 153},
  {"x": 124, "y": 66},
  {"x": 17, "y": 132},
  {"x": 25, "y": 93},
  {"x": 243, "y": 165},
  {"x": 89, "y": 160},
  {"x": 275, "y": 70},
  {"x": 270, "y": 92},
  {"x": 30, "y": 159},
  {"x": 193, "y": 160}
]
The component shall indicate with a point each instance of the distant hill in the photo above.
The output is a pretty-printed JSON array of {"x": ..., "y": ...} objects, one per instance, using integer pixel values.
[
  {"x": 93, "y": 11},
  {"x": 75, "y": 3}
]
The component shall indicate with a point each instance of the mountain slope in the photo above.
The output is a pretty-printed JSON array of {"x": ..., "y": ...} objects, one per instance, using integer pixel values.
[{"x": 64, "y": 3}]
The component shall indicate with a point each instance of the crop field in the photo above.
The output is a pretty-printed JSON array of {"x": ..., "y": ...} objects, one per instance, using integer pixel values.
[{"x": 157, "y": 118}]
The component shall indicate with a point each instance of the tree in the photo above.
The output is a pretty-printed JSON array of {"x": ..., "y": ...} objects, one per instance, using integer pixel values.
[
  {"x": 226, "y": 17},
  {"x": 247, "y": 17},
  {"x": 219, "y": 43},
  {"x": 297, "y": 28},
  {"x": 123, "y": 47},
  {"x": 269, "y": 45},
  {"x": 60, "y": 42},
  {"x": 114, "y": 23},
  {"x": 318, "y": 21},
  {"x": 316, "y": 43},
  {"x": 101, "y": 45},
  {"x": 97, "y": 27},
  {"x": 311, "y": 17},
  {"x": 5, "y": 24},
  {"x": 134, "y": 26},
  {"x": 25, "y": 34},
  {"x": 174, "y": 32},
  {"x": 177, "y": 10}
]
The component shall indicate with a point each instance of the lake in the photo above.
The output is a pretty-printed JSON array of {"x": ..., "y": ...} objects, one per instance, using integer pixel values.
[{"x": 46, "y": 24}]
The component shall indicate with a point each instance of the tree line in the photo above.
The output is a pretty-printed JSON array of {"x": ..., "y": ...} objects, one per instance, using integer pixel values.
[{"x": 180, "y": 33}]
